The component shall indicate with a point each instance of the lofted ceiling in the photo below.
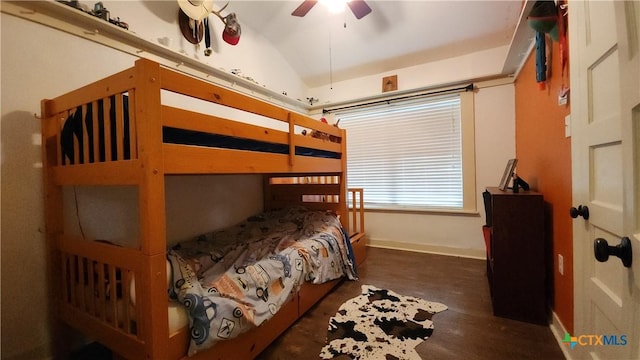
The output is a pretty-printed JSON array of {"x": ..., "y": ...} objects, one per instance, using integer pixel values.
[{"x": 325, "y": 47}]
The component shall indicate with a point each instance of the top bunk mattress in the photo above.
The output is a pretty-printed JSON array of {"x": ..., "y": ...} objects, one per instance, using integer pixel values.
[
  {"x": 106, "y": 133},
  {"x": 198, "y": 138}
]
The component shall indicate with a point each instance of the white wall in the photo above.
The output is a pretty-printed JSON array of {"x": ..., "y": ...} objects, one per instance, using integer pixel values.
[
  {"x": 194, "y": 205},
  {"x": 39, "y": 62},
  {"x": 462, "y": 68},
  {"x": 34, "y": 67}
]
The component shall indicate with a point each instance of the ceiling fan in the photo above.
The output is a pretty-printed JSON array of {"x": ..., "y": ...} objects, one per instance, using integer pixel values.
[{"x": 359, "y": 8}]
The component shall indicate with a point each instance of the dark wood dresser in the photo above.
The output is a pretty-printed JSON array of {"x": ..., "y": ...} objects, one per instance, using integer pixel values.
[{"x": 515, "y": 243}]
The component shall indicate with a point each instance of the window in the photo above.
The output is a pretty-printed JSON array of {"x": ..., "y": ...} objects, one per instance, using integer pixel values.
[{"x": 414, "y": 154}]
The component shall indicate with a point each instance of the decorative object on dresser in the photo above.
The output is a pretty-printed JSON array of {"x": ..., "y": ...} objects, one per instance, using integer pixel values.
[
  {"x": 515, "y": 247},
  {"x": 380, "y": 324},
  {"x": 508, "y": 174}
]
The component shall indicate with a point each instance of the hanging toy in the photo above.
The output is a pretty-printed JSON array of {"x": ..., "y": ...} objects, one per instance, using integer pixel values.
[
  {"x": 541, "y": 60},
  {"x": 543, "y": 18}
]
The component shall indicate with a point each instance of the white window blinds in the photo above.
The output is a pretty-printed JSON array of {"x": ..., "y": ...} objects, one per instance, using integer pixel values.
[{"x": 407, "y": 154}]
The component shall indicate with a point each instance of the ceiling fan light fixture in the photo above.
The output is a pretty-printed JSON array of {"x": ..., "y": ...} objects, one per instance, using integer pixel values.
[
  {"x": 359, "y": 8},
  {"x": 334, "y": 6}
]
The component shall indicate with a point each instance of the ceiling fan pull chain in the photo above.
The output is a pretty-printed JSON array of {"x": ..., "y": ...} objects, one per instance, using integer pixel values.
[
  {"x": 344, "y": 19},
  {"x": 330, "y": 62}
]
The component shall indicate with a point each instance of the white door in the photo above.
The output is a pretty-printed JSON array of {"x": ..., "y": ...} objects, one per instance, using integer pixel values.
[{"x": 605, "y": 106}]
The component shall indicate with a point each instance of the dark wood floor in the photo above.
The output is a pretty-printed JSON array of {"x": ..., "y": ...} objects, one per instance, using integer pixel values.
[{"x": 467, "y": 330}]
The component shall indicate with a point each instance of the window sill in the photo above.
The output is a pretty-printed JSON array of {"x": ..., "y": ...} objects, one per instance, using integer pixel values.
[{"x": 422, "y": 211}]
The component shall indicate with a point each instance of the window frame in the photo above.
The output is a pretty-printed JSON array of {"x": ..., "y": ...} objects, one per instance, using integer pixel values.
[{"x": 467, "y": 129}]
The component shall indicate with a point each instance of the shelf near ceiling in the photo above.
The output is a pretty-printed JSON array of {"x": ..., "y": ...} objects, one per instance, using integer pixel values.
[
  {"x": 76, "y": 22},
  {"x": 65, "y": 18},
  {"x": 522, "y": 42}
]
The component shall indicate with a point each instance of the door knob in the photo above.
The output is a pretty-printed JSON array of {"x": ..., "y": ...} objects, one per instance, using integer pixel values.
[
  {"x": 602, "y": 250},
  {"x": 580, "y": 211}
]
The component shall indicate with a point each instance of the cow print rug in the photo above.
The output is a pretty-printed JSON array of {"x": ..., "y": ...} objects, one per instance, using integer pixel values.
[{"x": 380, "y": 324}]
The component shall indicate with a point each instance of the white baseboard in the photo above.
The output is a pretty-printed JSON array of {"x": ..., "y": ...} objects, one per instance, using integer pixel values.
[
  {"x": 558, "y": 331},
  {"x": 426, "y": 248}
]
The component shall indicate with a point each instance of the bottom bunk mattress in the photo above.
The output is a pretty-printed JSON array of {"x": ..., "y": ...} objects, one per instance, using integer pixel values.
[{"x": 234, "y": 279}]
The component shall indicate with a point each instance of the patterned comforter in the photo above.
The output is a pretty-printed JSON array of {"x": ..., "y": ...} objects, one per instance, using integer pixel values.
[{"x": 234, "y": 279}]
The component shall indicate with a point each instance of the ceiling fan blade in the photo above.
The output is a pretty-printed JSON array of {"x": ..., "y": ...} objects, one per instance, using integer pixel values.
[
  {"x": 304, "y": 8},
  {"x": 359, "y": 8}
]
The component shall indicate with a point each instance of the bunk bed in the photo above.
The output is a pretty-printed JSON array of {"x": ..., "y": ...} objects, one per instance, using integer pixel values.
[{"x": 118, "y": 131}]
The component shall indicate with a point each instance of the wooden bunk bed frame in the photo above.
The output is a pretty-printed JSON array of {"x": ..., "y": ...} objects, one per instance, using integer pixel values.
[{"x": 80, "y": 266}]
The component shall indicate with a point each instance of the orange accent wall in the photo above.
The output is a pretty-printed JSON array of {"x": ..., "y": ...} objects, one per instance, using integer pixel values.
[{"x": 544, "y": 161}]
